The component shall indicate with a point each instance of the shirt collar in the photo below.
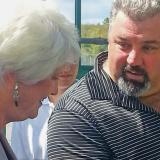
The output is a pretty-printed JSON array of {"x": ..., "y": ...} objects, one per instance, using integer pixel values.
[
  {"x": 47, "y": 102},
  {"x": 99, "y": 83}
]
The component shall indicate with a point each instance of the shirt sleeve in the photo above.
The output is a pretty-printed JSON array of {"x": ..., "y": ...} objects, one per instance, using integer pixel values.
[{"x": 73, "y": 137}]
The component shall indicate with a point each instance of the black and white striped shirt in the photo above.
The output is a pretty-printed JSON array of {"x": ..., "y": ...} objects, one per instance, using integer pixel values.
[{"x": 95, "y": 121}]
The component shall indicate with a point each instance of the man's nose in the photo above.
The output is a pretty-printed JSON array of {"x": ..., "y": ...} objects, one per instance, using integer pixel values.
[{"x": 135, "y": 58}]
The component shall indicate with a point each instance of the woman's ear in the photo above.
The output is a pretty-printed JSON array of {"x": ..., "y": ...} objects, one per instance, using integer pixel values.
[
  {"x": 7, "y": 85},
  {"x": 9, "y": 79}
]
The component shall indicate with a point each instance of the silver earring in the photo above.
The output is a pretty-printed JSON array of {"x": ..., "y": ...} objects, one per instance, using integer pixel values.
[{"x": 16, "y": 94}]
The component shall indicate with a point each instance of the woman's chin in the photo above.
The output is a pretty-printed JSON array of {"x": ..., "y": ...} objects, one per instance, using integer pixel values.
[{"x": 33, "y": 115}]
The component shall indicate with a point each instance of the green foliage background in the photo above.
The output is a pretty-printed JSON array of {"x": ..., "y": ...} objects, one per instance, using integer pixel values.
[{"x": 94, "y": 31}]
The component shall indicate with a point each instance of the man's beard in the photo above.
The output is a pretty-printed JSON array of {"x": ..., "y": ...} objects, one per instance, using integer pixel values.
[{"x": 133, "y": 87}]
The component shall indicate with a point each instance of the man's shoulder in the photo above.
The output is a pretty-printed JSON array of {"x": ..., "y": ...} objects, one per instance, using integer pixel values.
[{"x": 81, "y": 95}]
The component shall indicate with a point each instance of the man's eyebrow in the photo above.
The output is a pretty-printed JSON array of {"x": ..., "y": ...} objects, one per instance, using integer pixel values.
[
  {"x": 146, "y": 41},
  {"x": 122, "y": 38},
  {"x": 152, "y": 41}
]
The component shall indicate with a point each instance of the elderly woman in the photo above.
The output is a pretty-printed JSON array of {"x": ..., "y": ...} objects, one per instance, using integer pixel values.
[
  {"x": 35, "y": 41},
  {"x": 29, "y": 137}
]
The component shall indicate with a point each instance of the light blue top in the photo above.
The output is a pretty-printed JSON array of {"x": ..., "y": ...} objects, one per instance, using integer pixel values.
[{"x": 29, "y": 137}]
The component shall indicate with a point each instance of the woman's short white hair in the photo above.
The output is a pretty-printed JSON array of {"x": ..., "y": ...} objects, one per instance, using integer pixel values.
[{"x": 35, "y": 40}]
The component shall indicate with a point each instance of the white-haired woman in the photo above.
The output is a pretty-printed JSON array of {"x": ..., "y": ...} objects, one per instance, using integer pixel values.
[
  {"x": 29, "y": 137},
  {"x": 35, "y": 42}
]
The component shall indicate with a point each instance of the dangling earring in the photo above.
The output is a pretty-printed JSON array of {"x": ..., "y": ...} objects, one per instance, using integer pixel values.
[{"x": 16, "y": 94}]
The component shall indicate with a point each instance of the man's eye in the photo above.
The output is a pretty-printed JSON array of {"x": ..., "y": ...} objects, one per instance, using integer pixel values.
[
  {"x": 149, "y": 48},
  {"x": 123, "y": 45}
]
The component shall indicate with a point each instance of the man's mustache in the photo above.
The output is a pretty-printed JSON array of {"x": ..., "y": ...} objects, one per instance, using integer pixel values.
[{"x": 135, "y": 69}]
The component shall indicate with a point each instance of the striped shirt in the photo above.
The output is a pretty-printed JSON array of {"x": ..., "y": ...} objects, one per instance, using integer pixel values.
[{"x": 94, "y": 120}]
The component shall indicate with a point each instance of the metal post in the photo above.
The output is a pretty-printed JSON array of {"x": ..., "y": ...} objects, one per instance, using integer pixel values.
[
  {"x": 78, "y": 15},
  {"x": 78, "y": 23}
]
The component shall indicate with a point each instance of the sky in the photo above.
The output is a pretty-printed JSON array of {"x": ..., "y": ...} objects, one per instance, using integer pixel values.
[{"x": 92, "y": 11}]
